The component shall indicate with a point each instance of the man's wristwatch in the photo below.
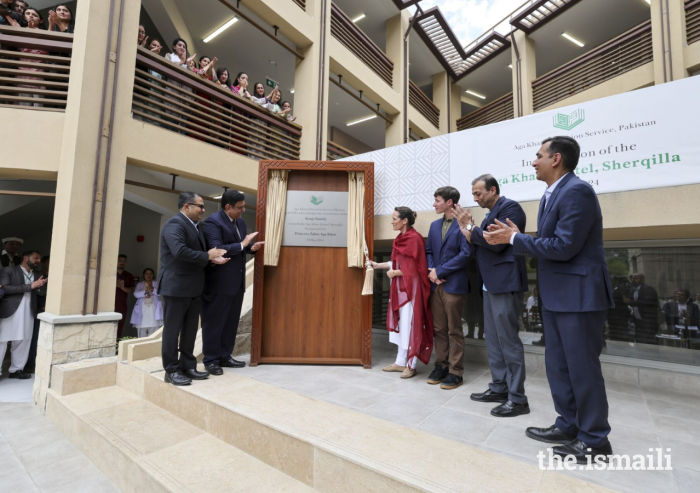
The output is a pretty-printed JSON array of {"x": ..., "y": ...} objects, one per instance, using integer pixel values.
[{"x": 470, "y": 227}]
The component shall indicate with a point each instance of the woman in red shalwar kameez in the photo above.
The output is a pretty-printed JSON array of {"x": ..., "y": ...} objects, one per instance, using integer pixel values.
[{"x": 408, "y": 319}]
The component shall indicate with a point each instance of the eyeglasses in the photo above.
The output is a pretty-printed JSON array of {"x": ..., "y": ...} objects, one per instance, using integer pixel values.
[{"x": 201, "y": 206}]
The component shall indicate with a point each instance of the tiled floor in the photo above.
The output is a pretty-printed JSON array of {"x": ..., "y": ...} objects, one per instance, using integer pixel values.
[
  {"x": 640, "y": 418},
  {"x": 34, "y": 455}
]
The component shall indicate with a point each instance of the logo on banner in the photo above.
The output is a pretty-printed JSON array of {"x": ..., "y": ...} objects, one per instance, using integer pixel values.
[
  {"x": 568, "y": 122},
  {"x": 316, "y": 200}
]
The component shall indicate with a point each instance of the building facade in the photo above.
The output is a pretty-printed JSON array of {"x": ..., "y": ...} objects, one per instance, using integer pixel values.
[{"x": 110, "y": 130}]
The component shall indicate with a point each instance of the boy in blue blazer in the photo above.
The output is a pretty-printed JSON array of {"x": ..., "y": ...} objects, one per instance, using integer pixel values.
[{"x": 448, "y": 254}]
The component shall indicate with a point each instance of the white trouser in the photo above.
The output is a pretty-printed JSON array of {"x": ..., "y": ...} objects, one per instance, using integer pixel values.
[
  {"x": 146, "y": 331},
  {"x": 402, "y": 356},
  {"x": 19, "y": 354}
]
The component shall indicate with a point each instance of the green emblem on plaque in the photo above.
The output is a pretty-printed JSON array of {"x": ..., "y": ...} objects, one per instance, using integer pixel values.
[
  {"x": 567, "y": 122},
  {"x": 316, "y": 200}
]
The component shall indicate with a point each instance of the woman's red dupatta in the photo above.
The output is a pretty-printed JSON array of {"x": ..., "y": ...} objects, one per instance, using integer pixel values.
[{"x": 408, "y": 256}]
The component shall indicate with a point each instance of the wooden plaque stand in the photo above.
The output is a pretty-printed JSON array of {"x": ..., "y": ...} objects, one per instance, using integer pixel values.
[{"x": 310, "y": 309}]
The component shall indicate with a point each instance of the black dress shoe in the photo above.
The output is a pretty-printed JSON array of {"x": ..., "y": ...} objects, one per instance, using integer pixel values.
[
  {"x": 177, "y": 378},
  {"x": 549, "y": 435},
  {"x": 438, "y": 374},
  {"x": 196, "y": 375},
  {"x": 214, "y": 369},
  {"x": 490, "y": 396},
  {"x": 582, "y": 452},
  {"x": 510, "y": 409},
  {"x": 231, "y": 363},
  {"x": 452, "y": 381},
  {"x": 20, "y": 374}
]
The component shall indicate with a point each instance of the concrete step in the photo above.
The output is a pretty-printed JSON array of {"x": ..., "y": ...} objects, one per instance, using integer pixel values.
[
  {"x": 143, "y": 448},
  {"x": 330, "y": 448}
]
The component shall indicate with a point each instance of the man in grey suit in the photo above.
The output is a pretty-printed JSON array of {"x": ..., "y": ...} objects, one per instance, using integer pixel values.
[
  {"x": 18, "y": 309},
  {"x": 503, "y": 279},
  {"x": 183, "y": 257}
]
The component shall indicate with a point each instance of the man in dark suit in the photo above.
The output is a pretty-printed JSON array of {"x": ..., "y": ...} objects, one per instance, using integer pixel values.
[
  {"x": 644, "y": 301},
  {"x": 9, "y": 257},
  {"x": 448, "y": 256},
  {"x": 574, "y": 284},
  {"x": 18, "y": 309},
  {"x": 183, "y": 257},
  {"x": 503, "y": 280},
  {"x": 225, "y": 285}
]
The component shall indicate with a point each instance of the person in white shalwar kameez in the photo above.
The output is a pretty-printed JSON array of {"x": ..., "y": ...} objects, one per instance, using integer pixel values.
[{"x": 18, "y": 309}]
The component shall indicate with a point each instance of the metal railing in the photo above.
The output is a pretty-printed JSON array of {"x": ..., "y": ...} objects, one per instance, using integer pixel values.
[
  {"x": 496, "y": 111},
  {"x": 180, "y": 100},
  {"x": 343, "y": 29},
  {"x": 611, "y": 59},
  {"x": 335, "y": 151},
  {"x": 301, "y": 4},
  {"x": 34, "y": 68},
  {"x": 421, "y": 102},
  {"x": 692, "y": 21}
]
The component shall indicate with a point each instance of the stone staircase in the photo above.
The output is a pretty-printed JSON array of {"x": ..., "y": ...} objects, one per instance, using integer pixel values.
[{"x": 233, "y": 433}]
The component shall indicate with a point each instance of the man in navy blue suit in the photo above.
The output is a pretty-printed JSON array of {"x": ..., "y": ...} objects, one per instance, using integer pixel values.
[
  {"x": 225, "y": 284},
  {"x": 448, "y": 255},
  {"x": 574, "y": 285},
  {"x": 503, "y": 279}
]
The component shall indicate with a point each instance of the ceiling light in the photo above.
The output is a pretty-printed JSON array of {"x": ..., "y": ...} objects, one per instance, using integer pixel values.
[
  {"x": 359, "y": 18},
  {"x": 220, "y": 30},
  {"x": 475, "y": 94},
  {"x": 573, "y": 40},
  {"x": 510, "y": 66},
  {"x": 649, "y": 2},
  {"x": 291, "y": 91},
  {"x": 362, "y": 120}
]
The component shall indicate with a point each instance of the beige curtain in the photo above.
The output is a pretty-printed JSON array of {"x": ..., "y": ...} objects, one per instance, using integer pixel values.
[
  {"x": 276, "y": 210},
  {"x": 356, "y": 218}
]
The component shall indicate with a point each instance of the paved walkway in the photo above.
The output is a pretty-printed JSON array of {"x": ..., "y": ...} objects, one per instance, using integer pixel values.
[
  {"x": 640, "y": 418},
  {"x": 34, "y": 455}
]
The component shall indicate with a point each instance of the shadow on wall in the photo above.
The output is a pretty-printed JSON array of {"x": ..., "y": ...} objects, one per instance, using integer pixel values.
[{"x": 29, "y": 218}]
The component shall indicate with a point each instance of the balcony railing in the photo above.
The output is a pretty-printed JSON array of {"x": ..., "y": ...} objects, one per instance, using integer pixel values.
[
  {"x": 343, "y": 29},
  {"x": 335, "y": 151},
  {"x": 496, "y": 111},
  {"x": 619, "y": 55},
  {"x": 34, "y": 68},
  {"x": 180, "y": 100},
  {"x": 423, "y": 104},
  {"x": 301, "y": 4},
  {"x": 692, "y": 20}
]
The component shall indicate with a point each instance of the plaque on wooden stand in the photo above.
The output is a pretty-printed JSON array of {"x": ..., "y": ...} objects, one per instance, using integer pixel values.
[{"x": 309, "y": 309}]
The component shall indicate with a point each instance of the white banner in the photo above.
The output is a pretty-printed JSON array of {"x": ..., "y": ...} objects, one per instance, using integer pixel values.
[{"x": 642, "y": 139}]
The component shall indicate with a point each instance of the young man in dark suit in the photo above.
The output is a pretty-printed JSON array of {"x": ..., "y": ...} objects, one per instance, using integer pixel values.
[
  {"x": 503, "y": 279},
  {"x": 574, "y": 285},
  {"x": 225, "y": 285},
  {"x": 183, "y": 257},
  {"x": 448, "y": 255}
]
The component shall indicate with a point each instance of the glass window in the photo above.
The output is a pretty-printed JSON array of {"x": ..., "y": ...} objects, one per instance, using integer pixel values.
[{"x": 656, "y": 288}]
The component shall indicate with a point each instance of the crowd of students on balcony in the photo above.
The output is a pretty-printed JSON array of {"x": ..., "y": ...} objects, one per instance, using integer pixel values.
[
  {"x": 19, "y": 13},
  {"x": 206, "y": 68}
]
